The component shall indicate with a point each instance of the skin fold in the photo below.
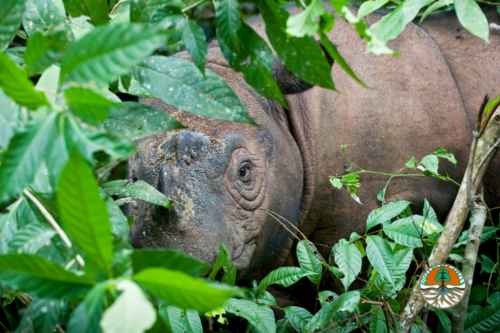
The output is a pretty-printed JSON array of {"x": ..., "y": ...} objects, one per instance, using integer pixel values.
[{"x": 230, "y": 174}]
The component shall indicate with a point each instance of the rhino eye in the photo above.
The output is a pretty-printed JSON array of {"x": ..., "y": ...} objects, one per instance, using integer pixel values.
[{"x": 245, "y": 172}]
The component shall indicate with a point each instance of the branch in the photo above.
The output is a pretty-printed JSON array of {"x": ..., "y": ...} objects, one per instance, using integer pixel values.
[
  {"x": 458, "y": 214},
  {"x": 478, "y": 211}
]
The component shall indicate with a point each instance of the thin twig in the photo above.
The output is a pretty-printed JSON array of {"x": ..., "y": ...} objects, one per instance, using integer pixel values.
[
  {"x": 489, "y": 3},
  {"x": 488, "y": 118},
  {"x": 485, "y": 158},
  {"x": 114, "y": 8},
  {"x": 196, "y": 4},
  {"x": 53, "y": 223}
]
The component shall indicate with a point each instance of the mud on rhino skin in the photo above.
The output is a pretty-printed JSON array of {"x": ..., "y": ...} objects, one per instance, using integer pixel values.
[{"x": 231, "y": 173}]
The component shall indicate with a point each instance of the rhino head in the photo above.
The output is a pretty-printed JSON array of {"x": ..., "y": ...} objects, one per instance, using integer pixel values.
[{"x": 230, "y": 175}]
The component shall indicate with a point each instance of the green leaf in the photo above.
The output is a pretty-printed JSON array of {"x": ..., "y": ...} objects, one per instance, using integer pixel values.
[
  {"x": 488, "y": 107},
  {"x": 303, "y": 56},
  {"x": 97, "y": 10},
  {"x": 403, "y": 261},
  {"x": 482, "y": 320},
  {"x": 434, "y": 7},
  {"x": 334, "y": 53},
  {"x": 411, "y": 163},
  {"x": 228, "y": 22},
  {"x": 85, "y": 318},
  {"x": 443, "y": 154},
  {"x": 309, "y": 261},
  {"x": 130, "y": 313},
  {"x": 298, "y": 317},
  {"x": 195, "y": 41},
  {"x": 381, "y": 256},
  {"x": 83, "y": 212},
  {"x": 136, "y": 121},
  {"x": 369, "y": 7},
  {"x": 472, "y": 18},
  {"x": 284, "y": 276},
  {"x": 386, "y": 212},
  {"x": 406, "y": 231},
  {"x": 43, "y": 51},
  {"x": 24, "y": 155},
  {"x": 108, "y": 52},
  {"x": 41, "y": 16},
  {"x": 346, "y": 302},
  {"x": 305, "y": 23},
  {"x": 40, "y": 277},
  {"x": 224, "y": 261},
  {"x": 30, "y": 238},
  {"x": 260, "y": 316},
  {"x": 336, "y": 182},
  {"x": 9, "y": 111},
  {"x": 180, "y": 289},
  {"x": 171, "y": 315},
  {"x": 431, "y": 163},
  {"x": 487, "y": 265},
  {"x": 326, "y": 296},
  {"x": 87, "y": 105},
  {"x": 17, "y": 86},
  {"x": 140, "y": 190},
  {"x": 494, "y": 298},
  {"x": 11, "y": 15},
  {"x": 488, "y": 232},
  {"x": 255, "y": 61},
  {"x": 391, "y": 25},
  {"x": 42, "y": 315},
  {"x": 348, "y": 258},
  {"x": 167, "y": 258},
  {"x": 179, "y": 83},
  {"x": 143, "y": 10},
  {"x": 444, "y": 319},
  {"x": 49, "y": 83}
]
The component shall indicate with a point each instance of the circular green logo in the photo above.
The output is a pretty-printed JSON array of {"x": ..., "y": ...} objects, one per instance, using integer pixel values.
[{"x": 443, "y": 286}]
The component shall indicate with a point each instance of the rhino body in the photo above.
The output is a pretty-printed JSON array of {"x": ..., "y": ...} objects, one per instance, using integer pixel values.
[{"x": 231, "y": 173}]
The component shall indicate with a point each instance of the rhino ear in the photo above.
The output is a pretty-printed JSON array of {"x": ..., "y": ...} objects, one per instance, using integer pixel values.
[{"x": 287, "y": 81}]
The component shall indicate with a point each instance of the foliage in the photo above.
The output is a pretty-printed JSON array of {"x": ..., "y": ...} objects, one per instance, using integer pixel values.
[{"x": 65, "y": 252}]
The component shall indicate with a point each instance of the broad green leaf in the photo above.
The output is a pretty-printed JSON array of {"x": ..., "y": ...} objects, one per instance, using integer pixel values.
[
  {"x": 381, "y": 256},
  {"x": 89, "y": 140},
  {"x": 334, "y": 53},
  {"x": 17, "y": 55},
  {"x": 309, "y": 261},
  {"x": 172, "y": 315},
  {"x": 284, "y": 276},
  {"x": 348, "y": 258},
  {"x": 431, "y": 217},
  {"x": 443, "y": 154},
  {"x": 24, "y": 155},
  {"x": 140, "y": 190},
  {"x": 223, "y": 260},
  {"x": 49, "y": 83},
  {"x": 305, "y": 23},
  {"x": 195, "y": 41},
  {"x": 130, "y": 313},
  {"x": 303, "y": 56},
  {"x": 81, "y": 26},
  {"x": 97, "y": 10},
  {"x": 488, "y": 107},
  {"x": 43, "y": 51},
  {"x": 191, "y": 322},
  {"x": 369, "y": 7},
  {"x": 403, "y": 261},
  {"x": 41, "y": 16},
  {"x": 391, "y": 25},
  {"x": 42, "y": 315},
  {"x": 411, "y": 163},
  {"x": 129, "y": 85},
  {"x": 346, "y": 302},
  {"x": 136, "y": 121},
  {"x": 284, "y": 326},
  {"x": 298, "y": 317},
  {"x": 377, "y": 321},
  {"x": 167, "y": 258},
  {"x": 336, "y": 182},
  {"x": 17, "y": 86},
  {"x": 8, "y": 119},
  {"x": 482, "y": 320},
  {"x": 255, "y": 61},
  {"x": 108, "y": 52},
  {"x": 487, "y": 265},
  {"x": 57, "y": 152},
  {"x": 85, "y": 318},
  {"x": 179, "y": 83},
  {"x": 30, "y": 238},
  {"x": 228, "y": 22},
  {"x": 87, "y": 105},
  {"x": 266, "y": 298},
  {"x": 326, "y": 296},
  {"x": 431, "y": 163},
  {"x": 406, "y": 231},
  {"x": 11, "y": 15},
  {"x": 260, "y": 317},
  {"x": 488, "y": 232},
  {"x": 143, "y": 10},
  {"x": 494, "y": 298},
  {"x": 386, "y": 212},
  {"x": 472, "y": 18},
  {"x": 180, "y": 289},
  {"x": 434, "y": 7},
  {"x": 40, "y": 277},
  {"x": 83, "y": 212},
  {"x": 444, "y": 319}
]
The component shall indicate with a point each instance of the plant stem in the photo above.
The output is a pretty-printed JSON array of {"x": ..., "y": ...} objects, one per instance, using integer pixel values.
[
  {"x": 478, "y": 211},
  {"x": 114, "y": 8},
  {"x": 196, "y": 4},
  {"x": 53, "y": 223}
]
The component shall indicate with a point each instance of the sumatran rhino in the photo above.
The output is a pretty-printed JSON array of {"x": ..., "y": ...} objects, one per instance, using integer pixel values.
[{"x": 230, "y": 174}]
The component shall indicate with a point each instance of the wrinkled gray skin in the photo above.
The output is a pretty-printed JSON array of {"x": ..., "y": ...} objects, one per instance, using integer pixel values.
[{"x": 424, "y": 100}]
